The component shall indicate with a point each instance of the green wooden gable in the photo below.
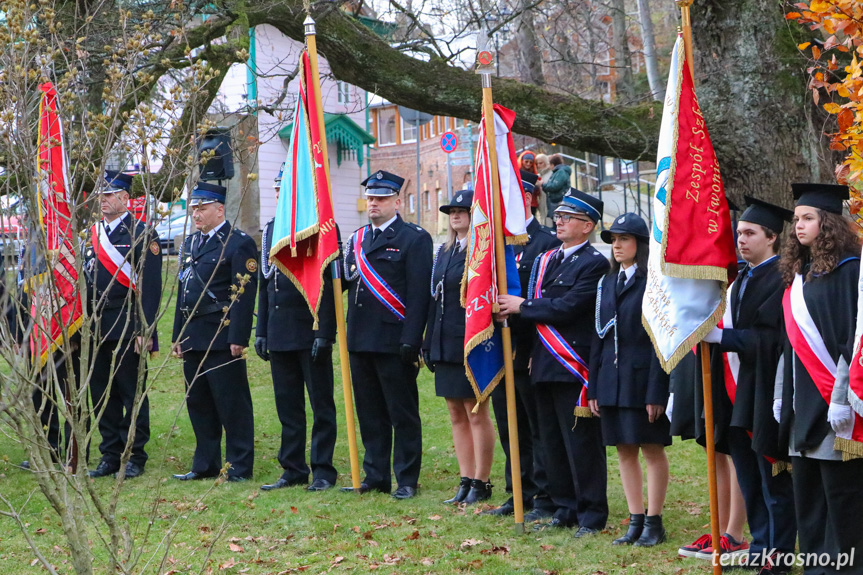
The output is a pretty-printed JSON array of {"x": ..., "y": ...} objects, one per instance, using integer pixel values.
[{"x": 344, "y": 132}]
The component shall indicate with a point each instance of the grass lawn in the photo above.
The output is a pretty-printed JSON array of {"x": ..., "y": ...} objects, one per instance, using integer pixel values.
[{"x": 236, "y": 528}]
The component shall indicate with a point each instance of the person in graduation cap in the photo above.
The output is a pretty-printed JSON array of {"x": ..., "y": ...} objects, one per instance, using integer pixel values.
[
  {"x": 123, "y": 268},
  {"x": 300, "y": 358},
  {"x": 561, "y": 302},
  {"x": 218, "y": 268},
  {"x": 388, "y": 266},
  {"x": 443, "y": 351},
  {"x": 533, "y": 475},
  {"x": 820, "y": 267},
  {"x": 628, "y": 388},
  {"x": 744, "y": 357}
]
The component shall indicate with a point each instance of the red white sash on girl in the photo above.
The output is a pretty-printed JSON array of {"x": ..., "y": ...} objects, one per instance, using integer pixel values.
[
  {"x": 376, "y": 284},
  {"x": 111, "y": 258},
  {"x": 810, "y": 348},
  {"x": 556, "y": 345}
]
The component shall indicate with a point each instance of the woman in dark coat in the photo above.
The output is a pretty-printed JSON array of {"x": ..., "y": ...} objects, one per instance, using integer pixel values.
[
  {"x": 443, "y": 350},
  {"x": 628, "y": 389}
]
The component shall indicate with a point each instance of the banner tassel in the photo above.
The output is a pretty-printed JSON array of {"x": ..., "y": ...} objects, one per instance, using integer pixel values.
[{"x": 293, "y": 251}]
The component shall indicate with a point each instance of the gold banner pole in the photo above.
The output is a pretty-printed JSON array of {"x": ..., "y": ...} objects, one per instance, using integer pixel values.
[
  {"x": 341, "y": 333},
  {"x": 500, "y": 263}
]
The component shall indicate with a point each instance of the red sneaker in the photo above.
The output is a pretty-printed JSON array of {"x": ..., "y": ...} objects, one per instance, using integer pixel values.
[
  {"x": 695, "y": 547},
  {"x": 727, "y": 544}
]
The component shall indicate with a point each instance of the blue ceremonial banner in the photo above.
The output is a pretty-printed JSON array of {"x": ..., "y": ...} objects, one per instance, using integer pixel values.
[{"x": 485, "y": 361}]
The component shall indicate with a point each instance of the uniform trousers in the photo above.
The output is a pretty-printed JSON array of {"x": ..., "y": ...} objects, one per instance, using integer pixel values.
[
  {"x": 113, "y": 385},
  {"x": 533, "y": 479},
  {"x": 45, "y": 403},
  {"x": 769, "y": 499},
  {"x": 292, "y": 372},
  {"x": 217, "y": 388},
  {"x": 387, "y": 399},
  {"x": 577, "y": 487},
  {"x": 828, "y": 497}
]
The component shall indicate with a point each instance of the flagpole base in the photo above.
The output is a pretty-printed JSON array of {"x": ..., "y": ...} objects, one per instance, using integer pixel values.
[
  {"x": 352, "y": 490},
  {"x": 519, "y": 528}
]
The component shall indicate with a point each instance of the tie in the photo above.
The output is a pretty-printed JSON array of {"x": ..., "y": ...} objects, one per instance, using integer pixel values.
[
  {"x": 621, "y": 281},
  {"x": 376, "y": 234},
  {"x": 204, "y": 238},
  {"x": 555, "y": 263},
  {"x": 743, "y": 283}
]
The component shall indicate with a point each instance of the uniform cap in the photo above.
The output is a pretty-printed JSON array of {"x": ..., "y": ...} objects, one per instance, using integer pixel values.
[
  {"x": 382, "y": 184},
  {"x": 577, "y": 202},
  {"x": 628, "y": 223}
]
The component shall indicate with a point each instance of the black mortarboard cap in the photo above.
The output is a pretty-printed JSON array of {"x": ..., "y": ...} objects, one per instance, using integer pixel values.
[
  {"x": 765, "y": 214},
  {"x": 827, "y": 197}
]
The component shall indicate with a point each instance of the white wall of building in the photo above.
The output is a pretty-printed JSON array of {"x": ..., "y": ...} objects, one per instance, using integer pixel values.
[{"x": 276, "y": 57}]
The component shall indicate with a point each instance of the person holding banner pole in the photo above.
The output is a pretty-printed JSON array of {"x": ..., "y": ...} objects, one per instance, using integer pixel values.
[
  {"x": 744, "y": 356},
  {"x": 533, "y": 475},
  {"x": 562, "y": 301},
  {"x": 443, "y": 351},
  {"x": 628, "y": 388},
  {"x": 820, "y": 267},
  {"x": 123, "y": 269}
]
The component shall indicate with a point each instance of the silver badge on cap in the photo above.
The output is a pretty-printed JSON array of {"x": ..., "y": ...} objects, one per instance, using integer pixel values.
[
  {"x": 621, "y": 219},
  {"x": 379, "y": 175},
  {"x": 458, "y": 199}
]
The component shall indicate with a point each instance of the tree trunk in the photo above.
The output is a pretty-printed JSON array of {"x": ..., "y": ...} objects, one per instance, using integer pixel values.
[
  {"x": 649, "y": 44},
  {"x": 625, "y": 87},
  {"x": 751, "y": 83},
  {"x": 529, "y": 57}
]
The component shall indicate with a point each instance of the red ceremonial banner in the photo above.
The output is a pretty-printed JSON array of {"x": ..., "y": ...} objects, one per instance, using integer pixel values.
[{"x": 698, "y": 242}]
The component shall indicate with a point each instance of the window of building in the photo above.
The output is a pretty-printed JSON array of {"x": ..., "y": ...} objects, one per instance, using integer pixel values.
[
  {"x": 387, "y": 126},
  {"x": 431, "y": 129},
  {"x": 409, "y": 132},
  {"x": 447, "y": 124},
  {"x": 344, "y": 92},
  {"x": 427, "y": 200},
  {"x": 411, "y": 203}
]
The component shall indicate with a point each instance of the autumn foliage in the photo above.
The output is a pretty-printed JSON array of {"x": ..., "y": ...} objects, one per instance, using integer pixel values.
[{"x": 840, "y": 23}]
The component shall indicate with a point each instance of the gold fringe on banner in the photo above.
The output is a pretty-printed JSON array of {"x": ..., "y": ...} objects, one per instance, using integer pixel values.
[
  {"x": 582, "y": 411},
  {"x": 780, "y": 466},
  {"x": 850, "y": 449}
]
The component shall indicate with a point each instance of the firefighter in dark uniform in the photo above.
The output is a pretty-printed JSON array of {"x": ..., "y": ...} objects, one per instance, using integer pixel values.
[
  {"x": 562, "y": 302},
  {"x": 299, "y": 357},
  {"x": 122, "y": 264},
  {"x": 388, "y": 266},
  {"x": 533, "y": 481},
  {"x": 218, "y": 269}
]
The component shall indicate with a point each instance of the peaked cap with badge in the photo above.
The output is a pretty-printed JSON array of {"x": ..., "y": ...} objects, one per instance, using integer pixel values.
[
  {"x": 577, "y": 202},
  {"x": 462, "y": 200},
  {"x": 383, "y": 184}
]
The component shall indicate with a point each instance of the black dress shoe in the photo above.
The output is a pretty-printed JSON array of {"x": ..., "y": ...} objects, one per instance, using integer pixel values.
[
  {"x": 461, "y": 493},
  {"x": 133, "y": 470},
  {"x": 365, "y": 488},
  {"x": 192, "y": 476},
  {"x": 654, "y": 532},
  {"x": 479, "y": 491},
  {"x": 237, "y": 478},
  {"x": 585, "y": 532},
  {"x": 537, "y": 514},
  {"x": 280, "y": 482},
  {"x": 555, "y": 523},
  {"x": 319, "y": 485},
  {"x": 405, "y": 492},
  {"x": 636, "y": 526},
  {"x": 506, "y": 509},
  {"x": 104, "y": 469}
]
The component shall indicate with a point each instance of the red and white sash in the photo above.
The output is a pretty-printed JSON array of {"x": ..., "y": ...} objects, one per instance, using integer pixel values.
[
  {"x": 810, "y": 348},
  {"x": 376, "y": 284},
  {"x": 111, "y": 258},
  {"x": 555, "y": 343}
]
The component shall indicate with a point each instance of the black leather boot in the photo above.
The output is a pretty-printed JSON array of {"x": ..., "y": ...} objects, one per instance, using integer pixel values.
[
  {"x": 654, "y": 532},
  {"x": 479, "y": 491},
  {"x": 463, "y": 489},
  {"x": 636, "y": 525}
]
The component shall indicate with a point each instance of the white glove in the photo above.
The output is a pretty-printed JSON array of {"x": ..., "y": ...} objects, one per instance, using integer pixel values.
[
  {"x": 777, "y": 409},
  {"x": 669, "y": 406},
  {"x": 841, "y": 418},
  {"x": 715, "y": 336}
]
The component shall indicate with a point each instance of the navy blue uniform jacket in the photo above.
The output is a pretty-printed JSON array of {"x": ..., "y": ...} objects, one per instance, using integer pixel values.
[
  {"x": 568, "y": 304},
  {"x": 114, "y": 303},
  {"x": 228, "y": 254},
  {"x": 283, "y": 314},
  {"x": 638, "y": 379}
]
